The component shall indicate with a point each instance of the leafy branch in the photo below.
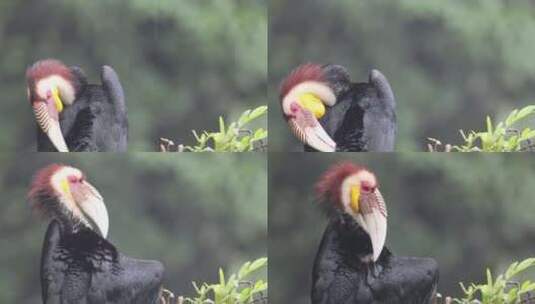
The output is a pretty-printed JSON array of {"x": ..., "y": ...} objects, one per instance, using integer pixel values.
[
  {"x": 501, "y": 137},
  {"x": 233, "y": 137},
  {"x": 502, "y": 289},
  {"x": 236, "y": 289}
]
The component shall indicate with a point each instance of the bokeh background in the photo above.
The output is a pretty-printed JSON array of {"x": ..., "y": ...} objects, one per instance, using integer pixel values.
[
  {"x": 450, "y": 63},
  {"x": 469, "y": 212},
  {"x": 182, "y": 63},
  {"x": 193, "y": 212}
]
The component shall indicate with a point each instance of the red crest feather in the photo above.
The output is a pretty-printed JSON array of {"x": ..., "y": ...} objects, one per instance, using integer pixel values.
[
  {"x": 329, "y": 185},
  {"x": 47, "y": 67},
  {"x": 41, "y": 187},
  {"x": 305, "y": 72},
  {"x": 44, "y": 68}
]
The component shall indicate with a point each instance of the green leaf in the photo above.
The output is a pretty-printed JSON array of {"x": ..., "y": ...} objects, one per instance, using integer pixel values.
[
  {"x": 221, "y": 277},
  {"x": 221, "y": 125},
  {"x": 523, "y": 113},
  {"x": 258, "y": 264},
  {"x": 489, "y": 277},
  {"x": 497, "y": 291},
  {"x": 498, "y": 137},
  {"x": 489, "y": 125},
  {"x": 510, "y": 120},
  {"x": 522, "y": 266},
  {"x": 260, "y": 134},
  {"x": 231, "y": 138},
  {"x": 258, "y": 112},
  {"x": 232, "y": 290},
  {"x": 244, "y": 118},
  {"x": 244, "y": 270}
]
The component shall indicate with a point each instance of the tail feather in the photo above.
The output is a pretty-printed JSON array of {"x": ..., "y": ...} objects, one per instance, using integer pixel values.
[
  {"x": 384, "y": 90},
  {"x": 112, "y": 85}
]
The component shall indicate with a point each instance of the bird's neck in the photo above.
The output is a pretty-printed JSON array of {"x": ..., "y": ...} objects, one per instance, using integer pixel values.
[
  {"x": 79, "y": 240},
  {"x": 70, "y": 225},
  {"x": 350, "y": 241}
]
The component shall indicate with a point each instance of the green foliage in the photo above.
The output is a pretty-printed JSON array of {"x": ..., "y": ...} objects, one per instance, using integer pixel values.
[
  {"x": 501, "y": 137},
  {"x": 500, "y": 290},
  {"x": 234, "y": 137},
  {"x": 234, "y": 289}
]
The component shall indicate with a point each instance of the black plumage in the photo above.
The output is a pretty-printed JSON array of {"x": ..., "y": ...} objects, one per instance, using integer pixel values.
[
  {"x": 79, "y": 266},
  {"x": 97, "y": 119},
  {"x": 78, "y": 263},
  {"x": 341, "y": 274},
  {"x": 363, "y": 118}
]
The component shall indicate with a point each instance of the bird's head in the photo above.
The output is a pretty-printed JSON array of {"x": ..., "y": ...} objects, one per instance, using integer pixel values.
[
  {"x": 63, "y": 193},
  {"x": 355, "y": 190},
  {"x": 305, "y": 95},
  {"x": 51, "y": 86}
]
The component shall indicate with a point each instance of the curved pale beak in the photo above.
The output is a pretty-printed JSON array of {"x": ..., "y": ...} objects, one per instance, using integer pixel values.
[
  {"x": 306, "y": 127},
  {"x": 371, "y": 216},
  {"x": 92, "y": 206},
  {"x": 48, "y": 120}
]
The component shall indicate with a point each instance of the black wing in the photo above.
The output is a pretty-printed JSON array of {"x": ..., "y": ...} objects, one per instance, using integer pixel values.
[
  {"x": 61, "y": 282},
  {"x": 406, "y": 280},
  {"x": 115, "y": 93},
  {"x": 51, "y": 273},
  {"x": 380, "y": 118},
  {"x": 130, "y": 281},
  {"x": 364, "y": 118},
  {"x": 337, "y": 288},
  {"x": 81, "y": 138},
  {"x": 333, "y": 282}
]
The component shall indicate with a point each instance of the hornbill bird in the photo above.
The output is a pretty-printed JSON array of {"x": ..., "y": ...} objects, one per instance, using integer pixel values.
[
  {"x": 78, "y": 264},
  {"x": 328, "y": 112},
  {"x": 352, "y": 265},
  {"x": 73, "y": 115}
]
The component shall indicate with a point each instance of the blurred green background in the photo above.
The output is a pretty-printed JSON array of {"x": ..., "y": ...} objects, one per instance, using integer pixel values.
[
  {"x": 193, "y": 212},
  {"x": 450, "y": 63},
  {"x": 182, "y": 63},
  {"x": 469, "y": 212}
]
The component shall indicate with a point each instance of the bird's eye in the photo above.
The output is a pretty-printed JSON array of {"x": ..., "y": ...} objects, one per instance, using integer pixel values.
[
  {"x": 366, "y": 188},
  {"x": 72, "y": 179},
  {"x": 294, "y": 107}
]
